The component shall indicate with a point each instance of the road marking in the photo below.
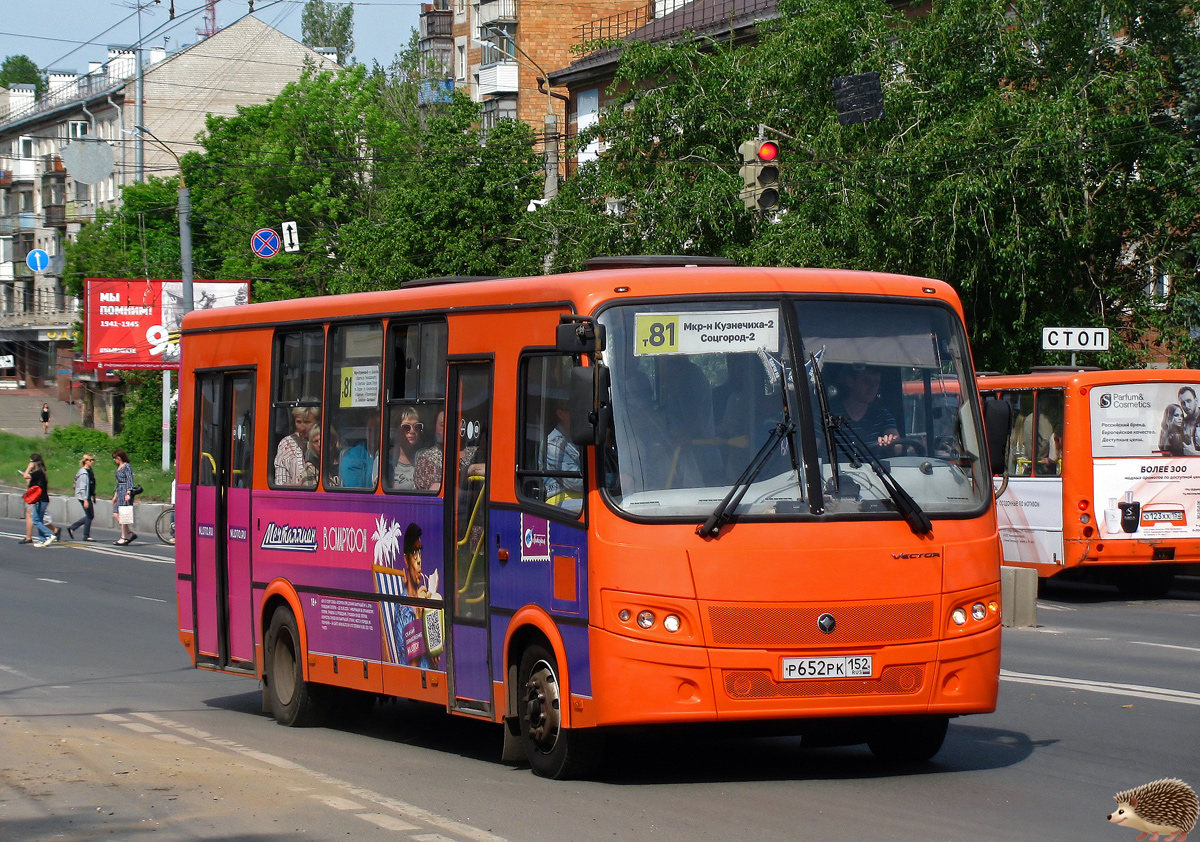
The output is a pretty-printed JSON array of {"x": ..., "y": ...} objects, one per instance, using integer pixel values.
[
  {"x": 148, "y": 598},
  {"x": 1166, "y": 645},
  {"x": 1138, "y": 691},
  {"x": 407, "y": 811},
  {"x": 338, "y": 803},
  {"x": 52, "y": 581},
  {"x": 112, "y": 717},
  {"x": 1042, "y": 606},
  {"x": 16, "y": 672},
  {"x": 387, "y": 822},
  {"x": 173, "y": 738},
  {"x": 99, "y": 548},
  {"x": 140, "y": 727}
]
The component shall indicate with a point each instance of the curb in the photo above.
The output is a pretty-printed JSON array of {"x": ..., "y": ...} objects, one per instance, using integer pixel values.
[{"x": 64, "y": 511}]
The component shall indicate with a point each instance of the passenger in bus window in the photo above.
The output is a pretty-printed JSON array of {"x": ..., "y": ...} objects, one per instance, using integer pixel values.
[
  {"x": 408, "y": 432},
  {"x": 562, "y": 454},
  {"x": 857, "y": 405},
  {"x": 1170, "y": 437},
  {"x": 294, "y": 459},
  {"x": 359, "y": 466},
  {"x": 428, "y": 474}
]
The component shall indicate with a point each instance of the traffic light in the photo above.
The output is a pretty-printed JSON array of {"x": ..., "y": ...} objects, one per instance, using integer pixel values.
[{"x": 760, "y": 174}]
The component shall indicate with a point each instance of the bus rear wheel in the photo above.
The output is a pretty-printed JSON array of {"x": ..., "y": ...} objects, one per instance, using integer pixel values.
[
  {"x": 289, "y": 696},
  {"x": 553, "y": 751},
  {"x": 908, "y": 739}
]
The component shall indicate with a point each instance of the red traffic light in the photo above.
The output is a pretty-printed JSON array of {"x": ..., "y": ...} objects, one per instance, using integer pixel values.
[{"x": 768, "y": 150}]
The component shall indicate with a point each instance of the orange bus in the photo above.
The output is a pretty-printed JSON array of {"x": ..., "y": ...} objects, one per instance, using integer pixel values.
[
  {"x": 613, "y": 499},
  {"x": 1102, "y": 475}
]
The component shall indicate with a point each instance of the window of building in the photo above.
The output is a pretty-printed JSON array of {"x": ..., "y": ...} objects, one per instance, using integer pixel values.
[
  {"x": 416, "y": 403},
  {"x": 77, "y": 129},
  {"x": 296, "y": 407},
  {"x": 549, "y": 469}
]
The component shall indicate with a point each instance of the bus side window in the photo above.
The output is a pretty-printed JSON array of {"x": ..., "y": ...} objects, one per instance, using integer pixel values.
[
  {"x": 549, "y": 469},
  {"x": 296, "y": 407},
  {"x": 1020, "y": 447},
  {"x": 1049, "y": 433},
  {"x": 352, "y": 408},
  {"x": 415, "y": 404}
]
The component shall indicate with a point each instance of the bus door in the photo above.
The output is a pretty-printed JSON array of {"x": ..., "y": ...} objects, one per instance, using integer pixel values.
[
  {"x": 1030, "y": 511},
  {"x": 469, "y": 393},
  {"x": 224, "y": 625}
]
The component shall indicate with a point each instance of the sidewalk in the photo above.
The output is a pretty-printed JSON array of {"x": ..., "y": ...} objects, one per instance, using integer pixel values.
[
  {"x": 65, "y": 510},
  {"x": 21, "y": 411}
]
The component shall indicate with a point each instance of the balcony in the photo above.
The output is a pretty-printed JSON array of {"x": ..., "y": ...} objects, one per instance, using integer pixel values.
[
  {"x": 56, "y": 216},
  {"x": 435, "y": 23},
  {"x": 22, "y": 169},
  {"x": 498, "y": 78},
  {"x": 80, "y": 211},
  {"x": 497, "y": 10}
]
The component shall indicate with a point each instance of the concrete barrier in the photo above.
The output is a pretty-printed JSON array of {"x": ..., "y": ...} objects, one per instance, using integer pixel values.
[
  {"x": 64, "y": 511},
  {"x": 1018, "y": 596}
]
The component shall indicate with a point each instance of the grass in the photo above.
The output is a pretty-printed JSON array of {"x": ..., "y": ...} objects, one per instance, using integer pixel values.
[{"x": 62, "y": 463}]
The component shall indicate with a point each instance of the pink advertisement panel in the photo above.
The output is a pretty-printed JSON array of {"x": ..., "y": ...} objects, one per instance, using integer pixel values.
[{"x": 342, "y": 545}]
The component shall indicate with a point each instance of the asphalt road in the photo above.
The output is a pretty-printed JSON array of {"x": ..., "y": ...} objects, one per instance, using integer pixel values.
[{"x": 106, "y": 731}]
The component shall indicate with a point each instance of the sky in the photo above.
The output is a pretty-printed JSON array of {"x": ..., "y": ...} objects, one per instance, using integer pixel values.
[{"x": 67, "y": 34}]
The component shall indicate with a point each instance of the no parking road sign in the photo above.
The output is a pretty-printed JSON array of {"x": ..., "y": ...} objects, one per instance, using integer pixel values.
[{"x": 265, "y": 242}]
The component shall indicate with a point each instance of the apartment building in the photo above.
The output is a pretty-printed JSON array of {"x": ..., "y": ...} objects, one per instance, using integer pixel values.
[{"x": 43, "y": 204}]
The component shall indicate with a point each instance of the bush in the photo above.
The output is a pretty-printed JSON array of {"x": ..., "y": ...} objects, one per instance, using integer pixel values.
[{"x": 80, "y": 440}]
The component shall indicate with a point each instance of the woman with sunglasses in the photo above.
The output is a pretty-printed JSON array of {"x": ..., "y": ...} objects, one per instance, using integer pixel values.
[{"x": 408, "y": 433}]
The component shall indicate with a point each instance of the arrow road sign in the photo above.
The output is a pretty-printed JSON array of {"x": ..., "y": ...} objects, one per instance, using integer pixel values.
[
  {"x": 291, "y": 238},
  {"x": 38, "y": 260},
  {"x": 265, "y": 242}
]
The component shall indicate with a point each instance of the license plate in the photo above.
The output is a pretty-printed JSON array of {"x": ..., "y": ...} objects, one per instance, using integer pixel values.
[{"x": 851, "y": 666}]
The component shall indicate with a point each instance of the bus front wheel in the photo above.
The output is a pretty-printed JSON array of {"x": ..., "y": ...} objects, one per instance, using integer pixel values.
[
  {"x": 552, "y": 750},
  {"x": 288, "y": 694},
  {"x": 908, "y": 739}
]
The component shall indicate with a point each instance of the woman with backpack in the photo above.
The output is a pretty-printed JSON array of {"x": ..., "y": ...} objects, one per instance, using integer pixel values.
[{"x": 85, "y": 493}]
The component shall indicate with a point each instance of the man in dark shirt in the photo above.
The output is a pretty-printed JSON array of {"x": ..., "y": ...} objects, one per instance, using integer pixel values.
[{"x": 873, "y": 423}]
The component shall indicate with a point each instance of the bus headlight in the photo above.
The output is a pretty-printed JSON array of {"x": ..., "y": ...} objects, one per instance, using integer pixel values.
[
  {"x": 959, "y": 616},
  {"x": 978, "y": 611},
  {"x": 646, "y": 619},
  {"x": 671, "y": 623}
]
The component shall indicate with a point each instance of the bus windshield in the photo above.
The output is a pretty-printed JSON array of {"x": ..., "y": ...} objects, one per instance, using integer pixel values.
[{"x": 699, "y": 390}]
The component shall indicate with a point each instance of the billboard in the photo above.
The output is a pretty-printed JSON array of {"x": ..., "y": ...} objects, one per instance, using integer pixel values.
[
  {"x": 1146, "y": 460},
  {"x": 135, "y": 323}
]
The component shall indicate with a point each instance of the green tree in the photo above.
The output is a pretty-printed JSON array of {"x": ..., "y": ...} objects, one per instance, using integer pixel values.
[
  {"x": 325, "y": 24},
  {"x": 1030, "y": 154},
  {"x": 20, "y": 69}
]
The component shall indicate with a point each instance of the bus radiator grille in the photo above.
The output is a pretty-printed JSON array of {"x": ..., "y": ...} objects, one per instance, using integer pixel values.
[
  {"x": 735, "y": 625},
  {"x": 760, "y": 684}
]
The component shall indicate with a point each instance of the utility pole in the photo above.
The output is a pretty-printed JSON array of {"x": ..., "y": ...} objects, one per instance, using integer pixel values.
[{"x": 185, "y": 274}]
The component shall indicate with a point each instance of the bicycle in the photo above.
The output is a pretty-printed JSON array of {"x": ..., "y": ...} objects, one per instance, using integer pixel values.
[{"x": 165, "y": 526}]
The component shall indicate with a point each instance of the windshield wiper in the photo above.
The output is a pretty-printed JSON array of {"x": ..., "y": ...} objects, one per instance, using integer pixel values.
[
  {"x": 826, "y": 419},
  {"x": 724, "y": 510},
  {"x": 859, "y": 452}
]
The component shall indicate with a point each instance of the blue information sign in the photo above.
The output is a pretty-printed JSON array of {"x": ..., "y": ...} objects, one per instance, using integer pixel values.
[
  {"x": 265, "y": 242},
  {"x": 38, "y": 260}
]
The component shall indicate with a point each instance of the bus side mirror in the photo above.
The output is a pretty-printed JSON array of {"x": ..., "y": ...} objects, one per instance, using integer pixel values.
[
  {"x": 578, "y": 335},
  {"x": 997, "y": 425},
  {"x": 589, "y": 402}
]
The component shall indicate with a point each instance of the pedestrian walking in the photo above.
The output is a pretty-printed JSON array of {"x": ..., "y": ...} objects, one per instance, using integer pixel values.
[
  {"x": 85, "y": 493},
  {"x": 37, "y": 479},
  {"x": 45, "y": 419},
  {"x": 123, "y": 496},
  {"x": 28, "y": 512}
]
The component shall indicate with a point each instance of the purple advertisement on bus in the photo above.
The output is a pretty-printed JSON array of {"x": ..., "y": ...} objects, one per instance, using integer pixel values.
[{"x": 342, "y": 545}]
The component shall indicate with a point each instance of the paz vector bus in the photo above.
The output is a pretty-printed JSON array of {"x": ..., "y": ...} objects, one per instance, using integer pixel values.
[
  {"x": 1103, "y": 475},
  {"x": 624, "y": 498}
]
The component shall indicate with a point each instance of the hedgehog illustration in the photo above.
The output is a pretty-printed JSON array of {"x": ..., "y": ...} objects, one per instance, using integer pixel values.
[{"x": 1168, "y": 806}]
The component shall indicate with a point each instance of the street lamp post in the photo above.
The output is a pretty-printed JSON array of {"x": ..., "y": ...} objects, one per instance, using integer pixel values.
[{"x": 185, "y": 271}]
